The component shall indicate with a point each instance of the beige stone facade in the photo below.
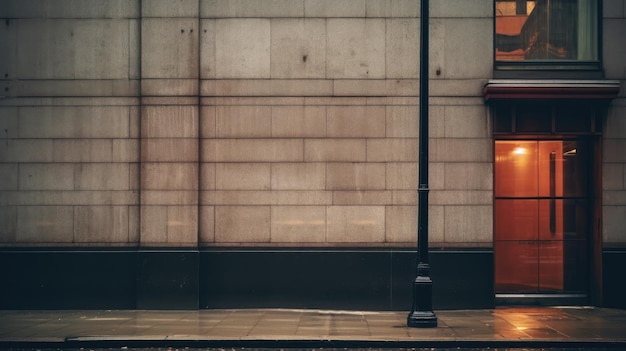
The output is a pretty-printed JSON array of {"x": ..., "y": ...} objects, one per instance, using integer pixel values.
[{"x": 278, "y": 123}]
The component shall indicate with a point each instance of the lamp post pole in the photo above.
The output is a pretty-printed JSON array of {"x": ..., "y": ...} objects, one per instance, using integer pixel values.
[{"x": 422, "y": 315}]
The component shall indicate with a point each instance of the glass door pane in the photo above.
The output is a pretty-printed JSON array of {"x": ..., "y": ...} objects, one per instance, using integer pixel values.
[{"x": 541, "y": 216}]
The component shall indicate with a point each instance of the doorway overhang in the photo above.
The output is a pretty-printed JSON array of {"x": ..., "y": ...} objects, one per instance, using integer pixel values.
[{"x": 508, "y": 89}]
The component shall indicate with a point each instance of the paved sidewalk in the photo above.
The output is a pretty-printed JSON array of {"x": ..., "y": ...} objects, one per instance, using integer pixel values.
[{"x": 283, "y": 328}]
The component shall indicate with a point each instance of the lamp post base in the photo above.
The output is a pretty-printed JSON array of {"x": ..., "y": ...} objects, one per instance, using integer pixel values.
[{"x": 422, "y": 319}]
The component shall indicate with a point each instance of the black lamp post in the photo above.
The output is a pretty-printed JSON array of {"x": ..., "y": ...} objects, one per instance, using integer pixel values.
[{"x": 422, "y": 315}]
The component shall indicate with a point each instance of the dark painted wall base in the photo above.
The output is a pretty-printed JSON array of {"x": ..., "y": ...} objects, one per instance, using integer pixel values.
[
  {"x": 64, "y": 279},
  {"x": 167, "y": 280},
  {"x": 222, "y": 278},
  {"x": 614, "y": 282},
  {"x": 191, "y": 279},
  {"x": 375, "y": 279}
]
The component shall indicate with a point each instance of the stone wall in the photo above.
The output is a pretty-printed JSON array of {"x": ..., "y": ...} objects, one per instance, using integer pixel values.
[
  {"x": 254, "y": 123},
  {"x": 614, "y": 134}
]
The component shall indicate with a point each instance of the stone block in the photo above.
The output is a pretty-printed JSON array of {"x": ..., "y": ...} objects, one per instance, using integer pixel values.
[
  {"x": 242, "y": 224},
  {"x": 613, "y": 9},
  {"x": 613, "y": 224},
  {"x": 45, "y": 224},
  {"x": 243, "y": 121},
  {"x": 9, "y": 176},
  {"x": 301, "y": 197},
  {"x": 83, "y": 150},
  {"x": 334, "y": 150},
  {"x": 404, "y": 197},
  {"x": 298, "y": 48},
  {"x": 334, "y": 8},
  {"x": 9, "y": 122},
  {"x": 74, "y": 122},
  {"x": 613, "y": 176},
  {"x": 355, "y": 176},
  {"x": 133, "y": 224},
  {"x": 165, "y": 87},
  {"x": 468, "y": 224},
  {"x": 46, "y": 176},
  {"x": 169, "y": 176},
  {"x": 242, "y": 48},
  {"x": 207, "y": 122},
  {"x": 613, "y": 150},
  {"x": 298, "y": 224},
  {"x": 207, "y": 224},
  {"x": 468, "y": 176},
  {"x": 436, "y": 176},
  {"x": 466, "y": 122},
  {"x": 401, "y": 224},
  {"x": 169, "y": 121},
  {"x": 402, "y": 175},
  {"x": 169, "y": 150},
  {"x": 207, "y": 176},
  {"x": 153, "y": 226},
  {"x": 163, "y": 40},
  {"x": 355, "y": 121},
  {"x": 169, "y": 197},
  {"x": 362, "y": 197},
  {"x": 70, "y": 9},
  {"x": 125, "y": 150},
  {"x": 402, "y": 121},
  {"x": 26, "y": 150},
  {"x": 355, "y": 224},
  {"x": 8, "y": 223},
  {"x": 72, "y": 49},
  {"x": 264, "y": 87},
  {"x": 392, "y": 8},
  {"x": 169, "y": 8},
  {"x": 436, "y": 224},
  {"x": 102, "y": 176},
  {"x": 74, "y": 88},
  {"x": 101, "y": 224},
  {"x": 462, "y": 8},
  {"x": 355, "y": 48},
  {"x": 207, "y": 48},
  {"x": 242, "y": 176},
  {"x": 615, "y": 124},
  {"x": 402, "y": 48},
  {"x": 436, "y": 121},
  {"x": 461, "y": 150},
  {"x": 298, "y": 121},
  {"x": 466, "y": 53},
  {"x": 298, "y": 176},
  {"x": 182, "y": 225},
  {"x": 251, "y": 8},
  {"x": 461, "y": 197},
  {"x": 614, "y": 198},
  {"x": 392, "y": 150},
  {"x": 8, "y": 45},
  {"x": 134, "y": 44},
  {"x": 252, "y": 150},
  {"x": 614, "y": 56}
]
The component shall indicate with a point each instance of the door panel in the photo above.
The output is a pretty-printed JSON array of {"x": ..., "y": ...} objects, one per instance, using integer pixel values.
[{"x": 541, "y": 216}]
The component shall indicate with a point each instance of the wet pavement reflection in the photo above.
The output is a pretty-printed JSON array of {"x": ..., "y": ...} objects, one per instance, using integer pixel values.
[{"x": 566, "y": 328}]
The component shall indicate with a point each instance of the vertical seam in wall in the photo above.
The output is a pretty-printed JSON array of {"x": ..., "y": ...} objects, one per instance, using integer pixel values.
[
  {"x": 140, "y": 118},
  {"x": 199, "y": 135}
]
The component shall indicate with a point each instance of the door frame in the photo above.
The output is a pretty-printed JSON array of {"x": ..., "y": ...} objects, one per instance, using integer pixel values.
[{"x": 593, "y": 136}]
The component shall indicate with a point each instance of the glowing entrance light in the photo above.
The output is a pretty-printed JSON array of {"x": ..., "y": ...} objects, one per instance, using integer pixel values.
[{"x": 520, "y": 151}]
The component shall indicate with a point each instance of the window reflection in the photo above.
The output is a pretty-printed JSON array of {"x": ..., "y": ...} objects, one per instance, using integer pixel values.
[{"x": 546, "y": 30}]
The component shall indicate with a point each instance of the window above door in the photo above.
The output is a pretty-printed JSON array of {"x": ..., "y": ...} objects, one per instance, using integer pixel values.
[{"x": 547, "y": 37}]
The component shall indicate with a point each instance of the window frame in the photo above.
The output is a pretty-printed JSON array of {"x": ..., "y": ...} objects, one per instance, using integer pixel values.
[{"x": 550, "y": 68}]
